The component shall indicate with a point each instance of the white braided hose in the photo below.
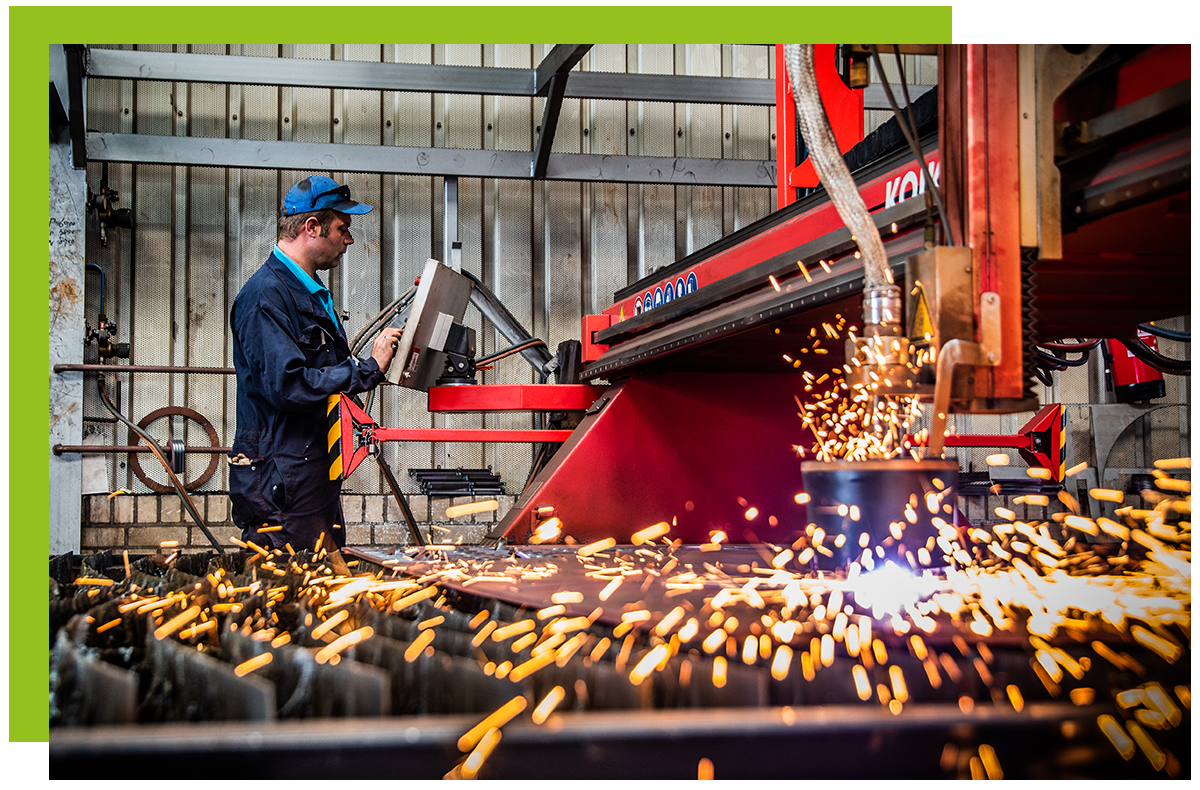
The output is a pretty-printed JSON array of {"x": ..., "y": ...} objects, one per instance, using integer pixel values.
[{"x": 827, "y": 159}]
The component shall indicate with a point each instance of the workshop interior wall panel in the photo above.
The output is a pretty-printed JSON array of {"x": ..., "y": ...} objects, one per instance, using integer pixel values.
[
  {"x": 153, "y": 330},
  {"x": 552, "y": 251},
  {"x": 468, "y": 455},
  {"x": 508, "y": 266},
  {"x": 751, "y": 137},
  {"x": 699, "y": 133},
  {"x": 110, "y": 110},
  {"x": 206, "y": 311},
  {"x": 462, "y": 127},
  {"x": 606, "y": 205},
  {"x": 562, "y": 264},
  {"x": 918, "y": 70},
  {"x": 407, "y": 234}
]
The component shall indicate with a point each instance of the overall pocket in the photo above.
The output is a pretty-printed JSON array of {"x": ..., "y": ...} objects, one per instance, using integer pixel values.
[
  {"x": 256, "y": 493},
  {"x": 317, "y": 347}
]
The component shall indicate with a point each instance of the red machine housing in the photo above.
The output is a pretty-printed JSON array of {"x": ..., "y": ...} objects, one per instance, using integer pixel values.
[
  {"x": 843, "y": 106},
  {"x": 702, "y": 398},
  {"x": 1132, "y": 379},
  {"x": 705, "y": 454}
]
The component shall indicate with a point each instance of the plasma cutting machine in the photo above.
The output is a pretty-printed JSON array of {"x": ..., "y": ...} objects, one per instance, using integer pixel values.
[
  {"x": 1064, "y": 174},
  {"x": 1062, "y": 178}
]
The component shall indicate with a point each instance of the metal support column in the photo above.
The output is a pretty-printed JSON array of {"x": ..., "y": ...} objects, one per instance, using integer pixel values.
[
  {"x": 451, "y": 246},
  {"x": 68, "y": 219}
]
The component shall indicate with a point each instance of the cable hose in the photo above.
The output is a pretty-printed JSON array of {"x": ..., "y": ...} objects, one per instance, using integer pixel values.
[
  {"x": 1057, "y": 360},
  {"x": 509, "y": 351},
  {"x": 521, "y": 336},
  {"x": 1169, "y": 334},
  {"x": 382, "y": 316},
  {"x": 188, "y": 505},
  {"x": 831, "y": 167},
  {"x": 1085, "y": 345},
  {"x": 1176, "y": 367},
  {"x": 914, "y": 142},
  {"x": 375, "y": 325}
]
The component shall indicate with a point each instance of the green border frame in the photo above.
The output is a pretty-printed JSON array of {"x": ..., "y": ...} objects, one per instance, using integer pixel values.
[{"x": 33, "y": 28}]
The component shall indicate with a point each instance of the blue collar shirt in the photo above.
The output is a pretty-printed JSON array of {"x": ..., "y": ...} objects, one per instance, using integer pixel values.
[{"x": 312, "y": 284}]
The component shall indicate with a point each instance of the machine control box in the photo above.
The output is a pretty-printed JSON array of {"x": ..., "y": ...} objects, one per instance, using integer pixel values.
[{"x": 441, "y": 300}]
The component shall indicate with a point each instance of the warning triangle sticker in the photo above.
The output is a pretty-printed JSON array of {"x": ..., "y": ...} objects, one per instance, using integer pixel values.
[{"x": 922, "y": 323}]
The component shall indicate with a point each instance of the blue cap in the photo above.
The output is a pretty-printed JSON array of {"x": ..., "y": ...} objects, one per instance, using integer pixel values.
[{"x": 318, "y": 192}]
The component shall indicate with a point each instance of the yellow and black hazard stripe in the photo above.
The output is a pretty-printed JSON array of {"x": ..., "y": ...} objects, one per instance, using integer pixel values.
[
  {"x": 334, "y": 412},
  {"x": 1062, "y": 443}
]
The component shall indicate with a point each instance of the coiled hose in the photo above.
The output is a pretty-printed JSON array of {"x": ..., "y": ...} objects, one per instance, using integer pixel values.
[
  {"x": 188, "y": 505},
  {"x": 827, "y": 159}
]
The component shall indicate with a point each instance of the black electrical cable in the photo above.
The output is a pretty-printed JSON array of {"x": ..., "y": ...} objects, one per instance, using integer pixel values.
[
  {"x": 1176, "y": 367},
  {"x": 912, "y": 122},
  {"x": 188, "y": 505},
  {"x": 383, "y": 316},
  {"x": 375, "y": 325},
  {"x": 1085, "y": 345},
  {"x": 1169, "y": 334},
  {"x": 915, "y": 145},
  {"x": 376, "y": 320},
  {"x": 1106, "y": 361},
  {"x": 912, "y": 115},
  {"x": 1066, "y": 363},
  {"x": 1050, "y": 364}
]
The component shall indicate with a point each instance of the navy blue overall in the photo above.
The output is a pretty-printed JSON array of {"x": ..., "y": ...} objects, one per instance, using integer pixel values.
[{"x": 290, "y": 355}]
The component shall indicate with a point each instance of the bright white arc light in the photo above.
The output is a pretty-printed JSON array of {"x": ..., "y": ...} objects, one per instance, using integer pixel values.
[{"x": 889, "y": 589}]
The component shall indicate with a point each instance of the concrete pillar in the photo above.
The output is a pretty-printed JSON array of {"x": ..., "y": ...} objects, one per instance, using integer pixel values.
[{"x": 68, "y": 211}]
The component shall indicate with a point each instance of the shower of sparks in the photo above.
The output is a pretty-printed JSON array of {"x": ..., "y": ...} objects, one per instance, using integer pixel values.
[
  {"x": 1084, "y": 596},
  {"x": 863, "y": 422}
]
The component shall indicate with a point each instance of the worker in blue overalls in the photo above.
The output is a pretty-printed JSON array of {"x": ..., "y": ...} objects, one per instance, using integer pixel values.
[{"x": 290, "y": 353}]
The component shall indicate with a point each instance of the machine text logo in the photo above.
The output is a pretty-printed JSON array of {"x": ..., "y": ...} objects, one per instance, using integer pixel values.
[{"x": 912, "y": 183}]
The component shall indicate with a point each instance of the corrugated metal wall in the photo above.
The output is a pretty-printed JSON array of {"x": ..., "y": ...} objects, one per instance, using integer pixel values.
[
  {"x": 552, "y": 251},
  {"x": 918, "y": 70}
]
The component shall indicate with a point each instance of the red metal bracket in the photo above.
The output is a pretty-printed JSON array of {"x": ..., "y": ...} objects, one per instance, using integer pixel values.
[
  {"x": 1040, "y": 442},
  {"x": 592, "y": 324},
  {"x": 843, "y": 106},
  {"x": 360, "y": 434},
  {"x": 703, "y": 452},
  {"x": 514, "y": 397}
]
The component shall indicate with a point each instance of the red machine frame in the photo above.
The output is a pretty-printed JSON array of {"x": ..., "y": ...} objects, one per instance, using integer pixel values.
[
  {"x": 843, "y": 106},
  {"x": 654, "y": 442},
  {"x": 1040, "y": 442},
  {"x": 353, "y": 432}
]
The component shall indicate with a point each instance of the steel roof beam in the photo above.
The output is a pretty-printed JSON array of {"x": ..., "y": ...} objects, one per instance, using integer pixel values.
[
  {"x": 300, "y": 73},
  {"x": 551, "y": 82},
  {"x": 671, "y": 88},
  {"x": 423, "y": 77},
  {"x": 561, "y": 59},
  {"x": 274, "y": 154},
  {"x": 419, "y": 77},
  {"x": 545, "y": 141}
]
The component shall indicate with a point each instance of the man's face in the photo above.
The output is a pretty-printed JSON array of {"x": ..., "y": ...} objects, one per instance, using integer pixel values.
[{"x": 328, "y": 251}]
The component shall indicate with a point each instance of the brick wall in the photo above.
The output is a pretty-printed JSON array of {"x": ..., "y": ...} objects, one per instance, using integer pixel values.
[{"x": 140, "y": 523}]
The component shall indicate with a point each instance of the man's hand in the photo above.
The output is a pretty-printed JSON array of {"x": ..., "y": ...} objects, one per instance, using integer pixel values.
[{"x": 384, "y": 347}]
